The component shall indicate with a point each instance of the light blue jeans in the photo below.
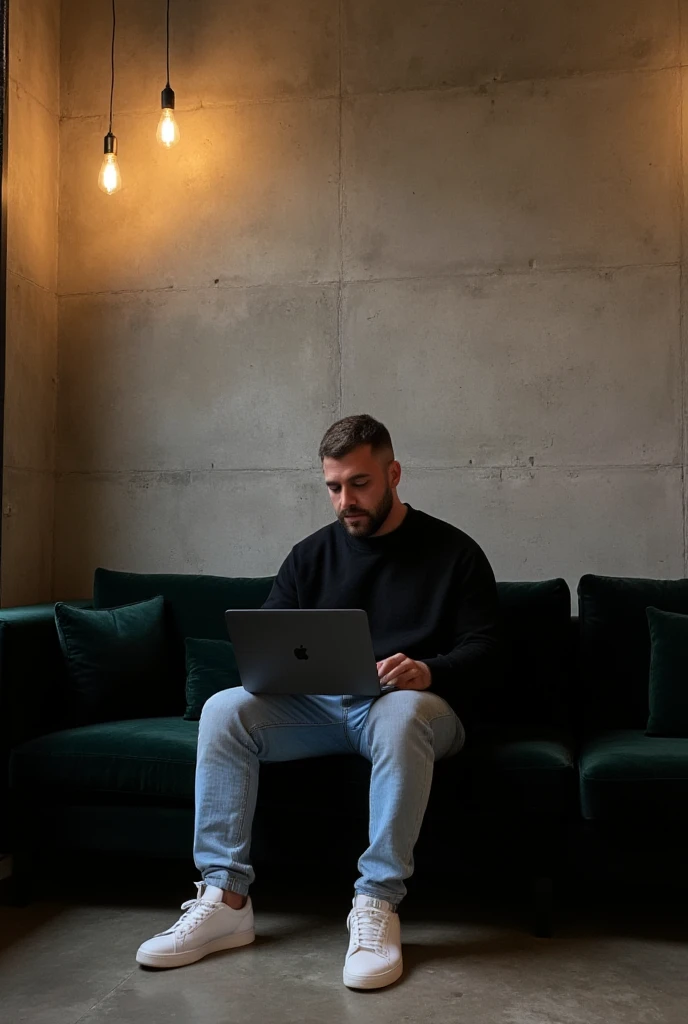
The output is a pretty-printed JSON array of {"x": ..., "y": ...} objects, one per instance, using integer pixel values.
[{"x": 401, "y": 733}]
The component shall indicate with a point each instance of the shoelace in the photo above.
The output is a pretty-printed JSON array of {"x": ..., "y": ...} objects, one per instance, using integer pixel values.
[
  {"x": 195, "y": 911},
  {"x": 369, "y": 929}
]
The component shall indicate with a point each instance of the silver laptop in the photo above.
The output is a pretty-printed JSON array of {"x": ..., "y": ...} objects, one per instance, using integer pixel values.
[{"x": 299, "y": 650}]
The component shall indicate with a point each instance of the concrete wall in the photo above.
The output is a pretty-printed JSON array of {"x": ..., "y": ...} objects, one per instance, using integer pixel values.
[
  {"x": 462, "y": 218},
  {"x": 29, "y": 449}
]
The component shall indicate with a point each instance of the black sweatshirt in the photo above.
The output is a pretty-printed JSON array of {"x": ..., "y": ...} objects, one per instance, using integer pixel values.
[{"x": 428, "y": 589}]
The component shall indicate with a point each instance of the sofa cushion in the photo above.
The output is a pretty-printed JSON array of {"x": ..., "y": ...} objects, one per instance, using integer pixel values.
[
  {"x": 197, "y": 603},
  {"x": 615, "y": 646},
  {"x": 625, "y": 774},
  {"x": 536, "y": 618},
  {"x": 536, "y": 630},
  {"x": 149, "y": 757},
  {"x": 210, "y": 667},
  {"x": 668, "y": 674},
  {"x": 116, "y": 660},
  {"x": 514, "y": 770},
  {"x": 518, "y": 770},
  {"x": 194, "y": 606}
]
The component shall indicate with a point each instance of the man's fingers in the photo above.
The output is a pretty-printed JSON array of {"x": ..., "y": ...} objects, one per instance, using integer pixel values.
[
  {"x": 409, "y": 682},
  {"x": 404, "y": 672},
  {"x": 392, "y": 673},
  {"x": 408, "y": 669},
  {"x": 387, "y": 664}
]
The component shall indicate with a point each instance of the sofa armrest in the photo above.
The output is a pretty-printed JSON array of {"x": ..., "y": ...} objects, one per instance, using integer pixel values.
[{"x": 32, "y": 674}]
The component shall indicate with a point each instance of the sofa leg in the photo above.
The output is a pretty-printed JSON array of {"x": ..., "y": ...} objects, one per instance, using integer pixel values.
[{"x": 543, "y": 907}]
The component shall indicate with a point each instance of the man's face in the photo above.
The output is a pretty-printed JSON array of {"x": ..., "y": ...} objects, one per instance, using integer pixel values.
[{"x": 360, "y": 490}]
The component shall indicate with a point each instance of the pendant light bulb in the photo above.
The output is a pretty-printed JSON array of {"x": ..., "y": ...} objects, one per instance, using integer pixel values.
[
  {"x": 168, "y": 129},
  {"x": 167, "y": 133},
  {"x": 110, "y": 177}
]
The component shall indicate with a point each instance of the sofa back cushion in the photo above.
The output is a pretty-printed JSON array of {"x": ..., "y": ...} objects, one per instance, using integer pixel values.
[
  {"x": 615, "y": 645},
  {"x": 194, "y": 606},
  {"x": 534, "y": 686},
  {"x": 668, "y": 690},
  {"x": 196, "y": 603},
  {"x": 536, "y": 619}
]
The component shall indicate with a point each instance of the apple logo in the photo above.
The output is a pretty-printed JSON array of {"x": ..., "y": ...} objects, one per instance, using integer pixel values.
[{"x": 301, "y": 653}]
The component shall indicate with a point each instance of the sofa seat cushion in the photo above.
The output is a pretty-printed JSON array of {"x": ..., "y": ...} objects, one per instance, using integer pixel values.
[
  {"x": 625, "y": 774},
  {"x": 513, "y": 769},
  {"x": 146, "y": 757},
  {"x": 516, "y": 769}
]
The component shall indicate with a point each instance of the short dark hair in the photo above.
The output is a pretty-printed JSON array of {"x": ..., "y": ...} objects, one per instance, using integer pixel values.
[{"x": 351, "y": 432}]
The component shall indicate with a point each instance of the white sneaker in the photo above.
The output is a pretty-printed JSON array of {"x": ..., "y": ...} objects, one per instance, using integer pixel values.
[
  {"x": 373, "y": 959},
  {"x": 206, "y": 926}
]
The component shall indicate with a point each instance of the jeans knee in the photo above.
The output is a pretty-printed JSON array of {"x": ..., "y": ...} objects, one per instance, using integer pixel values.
[
  {"x": 398, "y": 714},
  {"x": 405, "y": 720},
  {"x": 223, "y": 708}
]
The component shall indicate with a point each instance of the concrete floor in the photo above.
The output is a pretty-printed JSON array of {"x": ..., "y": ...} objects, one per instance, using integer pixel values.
[{"x": 72, "y": 961}]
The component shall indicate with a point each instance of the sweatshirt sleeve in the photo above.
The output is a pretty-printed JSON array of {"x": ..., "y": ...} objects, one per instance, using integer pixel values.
[
  {"x": 283, "y": 593},
  {"x": 470, "y": 665}
]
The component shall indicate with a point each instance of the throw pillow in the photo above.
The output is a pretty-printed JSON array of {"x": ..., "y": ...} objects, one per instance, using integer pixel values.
[
  {"x": 668, "y": 674},
  {"x": 116, "y": 659},
  {"x": 210, "y": 667}
]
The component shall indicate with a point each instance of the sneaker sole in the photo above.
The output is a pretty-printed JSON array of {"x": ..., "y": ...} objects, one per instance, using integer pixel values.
[
  {"x": 375, "y": 981},
  {"x": 190, "y": 956}
]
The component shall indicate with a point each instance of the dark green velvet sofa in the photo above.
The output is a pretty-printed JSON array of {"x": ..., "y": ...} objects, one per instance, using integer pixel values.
[{"x": 556, "y": 744}]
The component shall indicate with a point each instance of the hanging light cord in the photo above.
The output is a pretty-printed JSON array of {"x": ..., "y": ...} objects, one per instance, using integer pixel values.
[
  {"x": 112, "y": 65},
  {"x": 168, "y": 43}
]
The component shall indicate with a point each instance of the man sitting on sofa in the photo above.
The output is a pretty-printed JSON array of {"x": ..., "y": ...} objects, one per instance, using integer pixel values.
[{"x": 431, "y": 599}]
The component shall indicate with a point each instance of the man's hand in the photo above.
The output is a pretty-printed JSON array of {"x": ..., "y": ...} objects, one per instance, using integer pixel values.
[{"x": 404, "y": 673}]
